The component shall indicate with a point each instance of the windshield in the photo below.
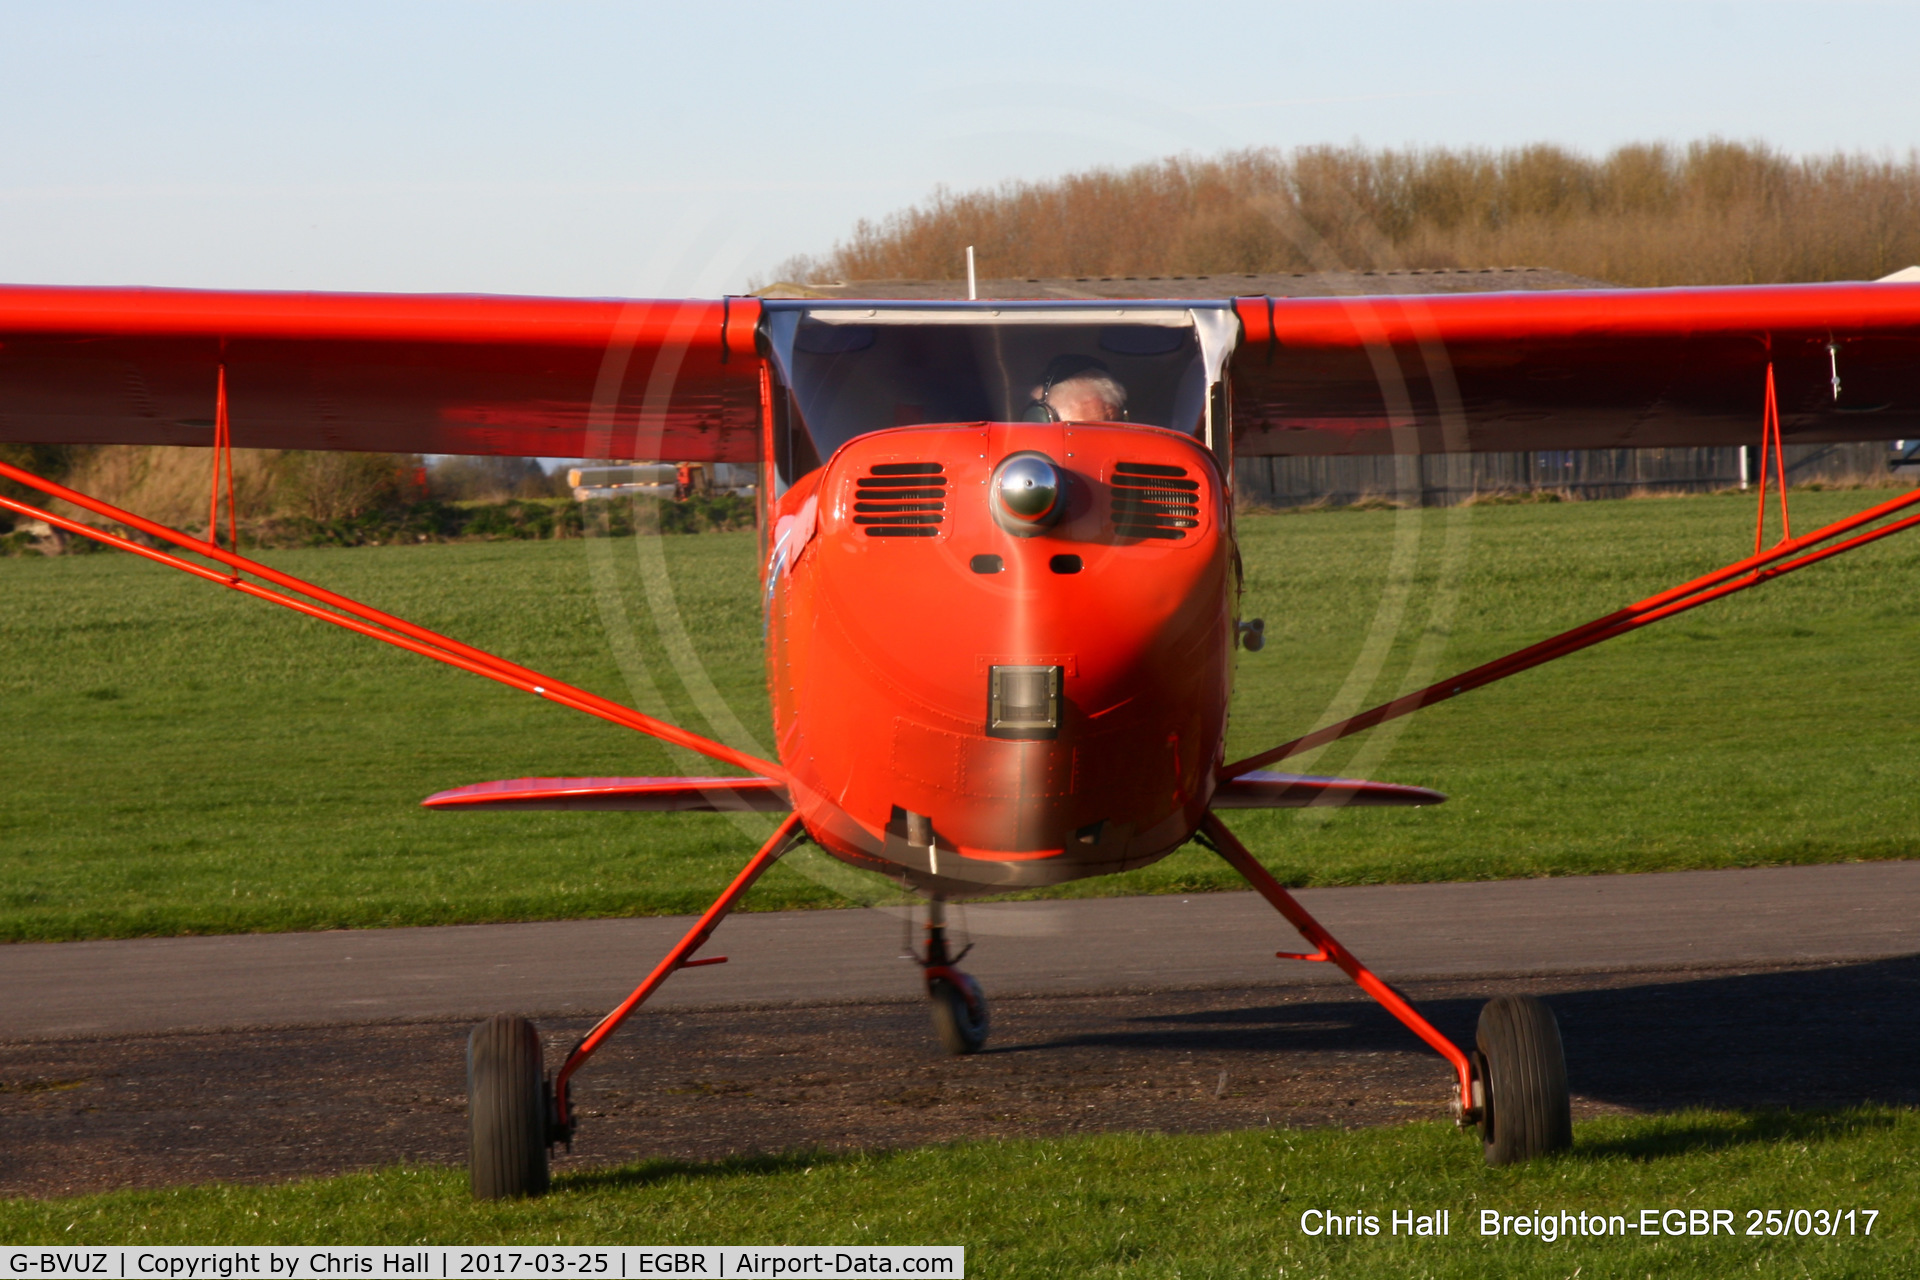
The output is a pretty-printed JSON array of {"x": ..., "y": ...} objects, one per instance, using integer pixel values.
[{"x": 855, "y": 369}]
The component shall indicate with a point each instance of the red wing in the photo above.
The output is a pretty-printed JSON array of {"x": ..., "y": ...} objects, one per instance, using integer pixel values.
[
  {"x": 1574, "y": 370},
  {"x": 551, "y": 377},
  {"x": 1299, "y": 790},
  {"x": 646, "y": 795}
]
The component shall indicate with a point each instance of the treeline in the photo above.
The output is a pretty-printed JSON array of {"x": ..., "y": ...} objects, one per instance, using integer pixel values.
[
  {"x": 288, "y": 498},
  {"x": 1711, "y": 212}
]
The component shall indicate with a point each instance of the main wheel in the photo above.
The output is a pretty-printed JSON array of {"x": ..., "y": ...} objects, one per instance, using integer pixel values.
[
  {"x": 1524, "y": 1108},
  {"x": 506, "y": 1110},
  {"x": 962, "y": 1028}
]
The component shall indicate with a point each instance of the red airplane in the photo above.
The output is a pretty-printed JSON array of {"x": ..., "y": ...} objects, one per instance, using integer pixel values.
[{"x": 1000, "y": 570}]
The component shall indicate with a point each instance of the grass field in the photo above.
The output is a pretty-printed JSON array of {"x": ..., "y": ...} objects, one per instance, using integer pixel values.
[
  {"x": 1226, "y": 1204},
  {"x": 180, "y": 759}
]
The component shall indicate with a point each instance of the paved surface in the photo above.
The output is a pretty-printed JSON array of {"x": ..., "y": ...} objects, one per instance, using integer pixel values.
[
  {"x": 1685, "y": 920},
  {"x": 89, "y": 1113}
]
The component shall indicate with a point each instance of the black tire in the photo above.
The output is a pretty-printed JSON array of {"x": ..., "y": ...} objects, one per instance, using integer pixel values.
[
  {"x": 1524, "y": 1108},
  {"x": 506, "y": 1110},
  {"x": 962, "y": 1029}
]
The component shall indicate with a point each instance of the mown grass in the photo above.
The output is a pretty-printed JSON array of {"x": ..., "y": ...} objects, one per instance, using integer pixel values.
[
  {"x": 1223, "y": 1204},
  {"x": 180, "y": 759}
]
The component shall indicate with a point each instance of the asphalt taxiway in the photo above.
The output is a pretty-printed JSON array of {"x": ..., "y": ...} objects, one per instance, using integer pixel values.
[
  {"x": 1678, "y": 920},
  {"x": 161, "y": 1061}
]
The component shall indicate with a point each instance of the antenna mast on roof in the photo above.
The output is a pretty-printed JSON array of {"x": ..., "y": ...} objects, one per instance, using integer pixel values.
[{"x": 973, "y": 294}]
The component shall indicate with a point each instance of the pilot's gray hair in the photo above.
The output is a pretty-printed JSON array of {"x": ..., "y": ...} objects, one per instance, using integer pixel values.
[{"x": 1104, "y": 385}]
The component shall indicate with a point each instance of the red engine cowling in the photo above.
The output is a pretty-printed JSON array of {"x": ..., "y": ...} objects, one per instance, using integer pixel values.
[{"x": 982, "y": 697}]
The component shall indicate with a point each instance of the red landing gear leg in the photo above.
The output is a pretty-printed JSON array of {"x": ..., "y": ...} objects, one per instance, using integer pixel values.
[
  {"x": 1514, "y": 1086},
  {"x": 516, "y": 1115},
  {"x": 959, "y": 1007}
]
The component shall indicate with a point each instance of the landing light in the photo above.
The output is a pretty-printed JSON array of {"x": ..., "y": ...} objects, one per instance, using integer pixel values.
[{"x": 1023, "y": 702}]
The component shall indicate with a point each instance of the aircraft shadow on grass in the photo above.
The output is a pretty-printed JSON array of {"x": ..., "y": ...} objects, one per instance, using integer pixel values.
[{"x": 1833, "y": 1036}]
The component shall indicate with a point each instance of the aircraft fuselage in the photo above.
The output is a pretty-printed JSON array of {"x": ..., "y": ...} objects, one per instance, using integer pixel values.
[{"x": 970, "y": 700}]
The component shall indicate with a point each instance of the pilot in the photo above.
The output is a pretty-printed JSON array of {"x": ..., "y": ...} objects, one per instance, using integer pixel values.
[{"x": 1077, "y": 388}]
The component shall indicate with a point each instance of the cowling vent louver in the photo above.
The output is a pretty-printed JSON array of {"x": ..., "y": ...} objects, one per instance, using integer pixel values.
[
  {"x": 1153, "y": 501},
  {"x": 901, "y": 500}
]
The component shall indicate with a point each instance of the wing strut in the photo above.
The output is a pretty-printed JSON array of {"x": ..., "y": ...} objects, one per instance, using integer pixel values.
[
  {"x": 1770, "y": 443},
  {"x": 1782, "y": 558},
  {"x": 360, "y": 618},
  {"x": 786, "y": 836},
  {"x": 1223, "y": 842},
  {"x": 222, "y": 453}
]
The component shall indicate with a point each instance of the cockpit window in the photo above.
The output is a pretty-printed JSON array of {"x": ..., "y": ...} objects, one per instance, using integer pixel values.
[{"x": 852, "y": 370}]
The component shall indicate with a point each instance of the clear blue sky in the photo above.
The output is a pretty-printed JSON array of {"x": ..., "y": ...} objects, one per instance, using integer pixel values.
[{"x": 577, "y": 148}]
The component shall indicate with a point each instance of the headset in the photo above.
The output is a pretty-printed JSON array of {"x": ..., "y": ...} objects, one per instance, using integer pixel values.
[{"x": 1063, "y": 369}]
